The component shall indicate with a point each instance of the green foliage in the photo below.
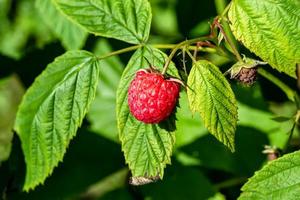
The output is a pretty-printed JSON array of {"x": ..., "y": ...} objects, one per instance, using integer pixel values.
[
  {"x": 210, "y": 94},
  {"x": 87, "y": 164},
  {"x": 193, "y": 184},
  {"x": 55, "y": 104},
  {"x": 51, "y": 111},
  {"x": 280, "y": 179},
  {"x": 102, "y": 113},
  {"x": 14, "y": 34},
  {"x": 71, "y": 35},
  {"x": 249, "y": 116},
  {"x": 11, "y": 92},
  {"x": 147, "y": 147},
  {"x": 208, "y": 153},
  {"x": 189, "y": 127},
  {"x": 270, "y": 29},
  {"x": 120, "y": 19}
]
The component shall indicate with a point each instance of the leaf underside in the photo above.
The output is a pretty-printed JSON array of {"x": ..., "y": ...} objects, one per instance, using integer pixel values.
[
  {"x": 126, "y": 20},
  {"x": 71, "y": 35},
  {"x": 280, "y": 179},
  {"x": 51, "y": 111},
  {"x": 147, "y": 147},
  {"x": 270, "y": 29},
  {"x": 210, "y": 94}
]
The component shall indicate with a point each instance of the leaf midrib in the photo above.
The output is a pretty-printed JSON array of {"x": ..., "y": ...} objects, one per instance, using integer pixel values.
[{"x": 214, "y": 107}]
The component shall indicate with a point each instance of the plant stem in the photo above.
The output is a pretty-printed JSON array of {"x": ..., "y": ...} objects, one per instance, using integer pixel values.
[
  {"x": 179, "y": 46},
  {"x": 107, "y": 184},
  {"x": 231, "y": 42},
  {"x": 226, "y": 9},
  {"x": 298, "y": 76},
  {"x": 159, "y": 46},
  {"x": 222, "y": 10},
  {"x": 231, "y": 183},
  {"x": 291, "y": 94},
  {"x": 128, "y": 49},
  {"x": 172, "y": 46},
  {"x": 220, "y": 7},
  {"x": 191, "y": 56}
]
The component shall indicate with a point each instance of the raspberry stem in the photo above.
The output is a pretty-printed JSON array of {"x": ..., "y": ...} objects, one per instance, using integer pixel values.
[
  {"x": 291, "y": 94},
  {"x": 179, "y": 46},
  {"x": 128, "y": 49},
  {"x": 228, "y": 39},
  {"x": 172, "y": 46},
  {"x": 191, "y": 56},
  {"x": 159, "y": 46}
]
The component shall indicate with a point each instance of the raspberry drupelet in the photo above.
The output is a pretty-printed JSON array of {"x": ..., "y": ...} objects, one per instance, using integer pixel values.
[{"x": 152, "y": 97}]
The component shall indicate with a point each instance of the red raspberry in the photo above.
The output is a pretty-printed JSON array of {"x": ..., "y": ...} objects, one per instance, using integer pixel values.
[{"x": 151, "y": 97}]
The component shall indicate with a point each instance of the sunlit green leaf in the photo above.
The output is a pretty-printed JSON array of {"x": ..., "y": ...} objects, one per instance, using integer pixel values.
[
  {"x": 147, "y": 147},
  {"x": 280, "y": 179},
  {"x": 71, "y": 35},
  {"x": 249, "y": 116},
  {"x": 51, "y": 111},
  {"x": 127, "y": 20},
  {"x": 210, "y": 94},
  {"x": 269, "y": 28}
]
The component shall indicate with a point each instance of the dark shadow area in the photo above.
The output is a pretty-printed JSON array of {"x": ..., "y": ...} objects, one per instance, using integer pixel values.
[
  {"x": 220, "y": 165},
  {"x": 244, "y": 161},
  {"x": 89, "y": 158},
  {"x": 191, "y": 12},
  {"x": 180, "y": 183}
]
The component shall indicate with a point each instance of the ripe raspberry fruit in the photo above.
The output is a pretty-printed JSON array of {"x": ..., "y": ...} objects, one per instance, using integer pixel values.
[{"x": 151, "y": 97}]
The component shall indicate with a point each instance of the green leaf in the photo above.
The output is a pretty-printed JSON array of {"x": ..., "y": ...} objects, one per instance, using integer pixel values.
[
  {"x": 71, "y": 35},
  {"x": 269, "y": 28},
  {"x": 188, "y": 127},
  {"x": 210, "y": 94},
  {"x": 181, "y": 183},
  {"x": 87, "y": 162},
  {"x": 126, "y": 20},
  {"x": 102, "y": 113},
  {"x": 147, "y": 147},
  {"x": 51, "y": 111},
  {"x": 26, "y": 24},
  {"x": 11, "y": 92},
  {"x": 280, "y": 179},
  {"x": 282, "y": 119}
]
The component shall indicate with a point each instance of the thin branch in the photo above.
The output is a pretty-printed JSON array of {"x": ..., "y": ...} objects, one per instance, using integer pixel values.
[{"x": 291, "y": 94}]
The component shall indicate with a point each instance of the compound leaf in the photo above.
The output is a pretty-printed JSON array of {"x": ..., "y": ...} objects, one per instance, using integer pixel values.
[
  {"x": 71, "y": 35},
  {"x": 147, "y": 147},
  {"x": 280, "y": 179},
  {"x": 210, "y": 94},
  {"x": 127, "y": 20},
  {"x": 51, "y": 111},
  {"x": 269, "y": 28}
]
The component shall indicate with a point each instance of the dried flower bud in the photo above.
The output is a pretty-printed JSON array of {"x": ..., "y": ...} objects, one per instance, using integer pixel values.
[
  {"x": 245, "y": 71},
  {"x": 247, "y": 75},
  {"x": 272, "y": 152}
]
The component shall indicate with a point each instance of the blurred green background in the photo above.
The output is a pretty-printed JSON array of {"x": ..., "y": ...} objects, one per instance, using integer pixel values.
[{"x": 94, "y": 167}]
